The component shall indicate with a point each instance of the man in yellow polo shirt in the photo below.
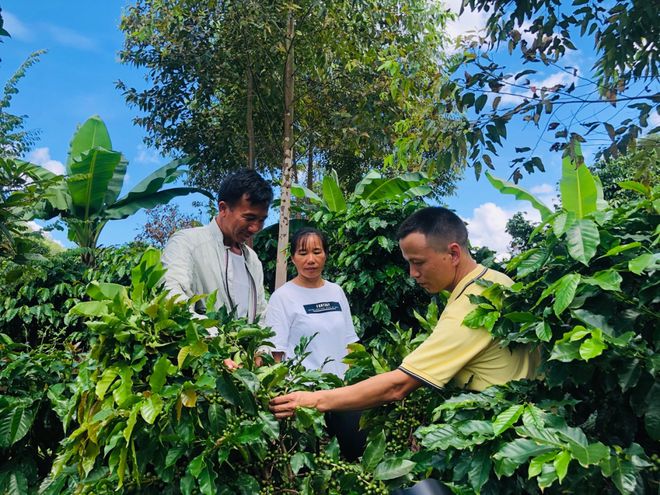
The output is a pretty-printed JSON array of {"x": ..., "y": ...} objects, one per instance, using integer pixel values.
[{"x": 434, "y": 242}]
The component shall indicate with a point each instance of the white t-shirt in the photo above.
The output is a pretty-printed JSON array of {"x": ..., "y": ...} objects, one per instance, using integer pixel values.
[
  {"x": 240, "y": 289},
  {"x": 294, "y": 312}
]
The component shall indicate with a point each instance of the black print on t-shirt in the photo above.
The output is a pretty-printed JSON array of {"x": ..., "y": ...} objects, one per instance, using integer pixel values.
[{"x": 322, "y": 307}]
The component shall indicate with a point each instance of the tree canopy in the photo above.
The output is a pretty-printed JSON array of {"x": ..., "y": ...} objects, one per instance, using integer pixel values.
[{"x": 212, "y": 67}]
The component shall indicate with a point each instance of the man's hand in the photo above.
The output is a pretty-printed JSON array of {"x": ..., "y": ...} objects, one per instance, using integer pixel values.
[
  {"x": 285, "y": 406},
  {"x": 231, "y": 364}
]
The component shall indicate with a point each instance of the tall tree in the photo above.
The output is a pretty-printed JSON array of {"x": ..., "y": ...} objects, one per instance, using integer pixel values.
[
  {"x": 214, "y": 67},
  {"x": 539, "y": 35}
]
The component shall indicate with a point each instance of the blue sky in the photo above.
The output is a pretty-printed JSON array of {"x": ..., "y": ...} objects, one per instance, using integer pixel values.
[{"x": 76, "y": 79}]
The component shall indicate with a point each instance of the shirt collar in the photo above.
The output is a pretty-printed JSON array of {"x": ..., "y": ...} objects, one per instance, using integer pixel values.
[{"x": 463, "y": 283}]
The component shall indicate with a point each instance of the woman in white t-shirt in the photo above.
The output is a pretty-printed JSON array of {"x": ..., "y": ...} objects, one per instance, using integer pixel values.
[{"x": 309, "y": 306}]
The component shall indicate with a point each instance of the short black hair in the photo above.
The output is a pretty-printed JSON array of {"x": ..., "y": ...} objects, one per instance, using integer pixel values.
[
  {"x": 245, "y": 181},
  {"x": 299, "y": 237},
  {"x": 437, "y": 222}
]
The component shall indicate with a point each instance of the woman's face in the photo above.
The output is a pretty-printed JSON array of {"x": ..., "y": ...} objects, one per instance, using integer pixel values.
[{"x": 309, "y": 258}]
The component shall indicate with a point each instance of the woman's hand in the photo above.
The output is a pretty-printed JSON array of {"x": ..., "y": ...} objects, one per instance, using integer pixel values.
[{"x": 285, "y": 406}]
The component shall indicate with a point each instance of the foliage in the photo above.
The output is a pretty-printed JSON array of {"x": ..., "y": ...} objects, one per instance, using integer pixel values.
[
  {"x": 89, "y": 196},
  {"x": 520, "y": 229},
  {"x": 486, "y": 94},
  {"x": 21, "y": 185},
  {"x": 35, "y": 298},
  {"x": 14, "y": 139},
  {"x": 586, "y": 295},
  {"x": 641, "y": 165},
  {"x": 41, "y": 346},
  {"x": 155, "y": 411},
  {"x": 33, "y": 391},
  {"x": 162, "y": 222},
  {"x": 216, "y": 66}
]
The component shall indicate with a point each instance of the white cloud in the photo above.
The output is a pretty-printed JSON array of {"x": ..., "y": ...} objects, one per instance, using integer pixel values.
[
  {"x": 146, "y": 155},
  {"x": 546, "y": 193},
  {"x": 41, "y": 156},
  {"x": 487, "y": 226},
  {"x": 15, "y": 27},
  {"x": 38, "y": 228},
  {"x": 68, "y": 37},
  {"x": 469, "y": 21}
]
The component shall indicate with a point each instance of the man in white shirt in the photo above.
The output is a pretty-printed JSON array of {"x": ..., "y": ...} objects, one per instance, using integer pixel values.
[{"x": 214, "y": 257}]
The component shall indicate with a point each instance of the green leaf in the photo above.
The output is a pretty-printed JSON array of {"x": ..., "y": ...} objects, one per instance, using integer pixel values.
[
  {"x": 577, "y": 186},
  {"x": 479, "y": 471},
  {"x": 374, "y": 452},
  {"x": 390, "y": 469},
  {"x": 543, "y": 331},
  {"x": 652, "y": 414},
  {"x": 624, "y": 247},
  {"x": 17, "y": 484},
  {"x": 562, "y": 222},
  {"x": 151, "y": 408},
  {"x": 332, "y": 195},
  {"x": 583, "y": 239},
  {"x": 159, "y": 375},
  {"x": 106, "y": 380},
  {"x": 536, "y": 465},
  {"x": 89, "y": 180},
  {"x": 130, "y": 423},
  {"x": 644, "y": 262},
  {"x": 196, "y": 465},
  {"x": 300, "y": 460},
  {"x": 206, "y": 481},
  {"x": 517, "y": 452},
  {"x": 90, "y": 308},
  {"x": 565, "y": 292},
  {"x": 302, "y": 192},
  {"x": 632, "y": 185},
  {"x": 507, "y": 418},
  {"x": 91, "y": 134},
  {"x": 510, "y": 188},
  {"x": 561, "y": 463},
  {"x": 134, "y": 202},
  {"x": 15, "y": 422},
  {"x": 608, "y": 279}
]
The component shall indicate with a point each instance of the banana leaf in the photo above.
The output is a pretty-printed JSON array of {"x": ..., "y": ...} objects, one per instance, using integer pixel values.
[
  {"x": 510, "y": 188},
  {"x": 92, "y": 134},
  {"x": 127, "y": 206},
  {"x": 164, "y": 175},
  {"x": 332, "y": 195},
  {"x": 89, "y": 180}
]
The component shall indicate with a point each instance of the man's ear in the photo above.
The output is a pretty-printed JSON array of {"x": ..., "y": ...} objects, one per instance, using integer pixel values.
[
  {"x": 455, "y": 252},
  {"x": 222, "y": 206}
]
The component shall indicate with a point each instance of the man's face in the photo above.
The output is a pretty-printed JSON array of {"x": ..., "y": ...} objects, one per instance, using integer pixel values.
[
  {"x": 241, "y": 221},
  {"x": 432, "y": 270}
]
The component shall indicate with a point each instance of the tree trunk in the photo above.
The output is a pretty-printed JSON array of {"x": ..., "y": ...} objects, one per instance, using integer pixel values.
[
  {"x": 287, "y": 165},
  {"x": 248, "y": 119},
  {"x": 310, "y": 166}
]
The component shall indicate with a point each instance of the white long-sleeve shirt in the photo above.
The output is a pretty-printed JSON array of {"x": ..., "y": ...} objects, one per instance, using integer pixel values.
[{"x": 197, "y": 262}]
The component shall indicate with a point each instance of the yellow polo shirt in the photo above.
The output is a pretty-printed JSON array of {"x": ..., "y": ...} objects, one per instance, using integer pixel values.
[{"x": 470, "y": 357}]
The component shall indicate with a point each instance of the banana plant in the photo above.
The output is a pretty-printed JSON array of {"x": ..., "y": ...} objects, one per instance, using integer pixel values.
[
  {"x": 88, "y": 197},
  {"x": 373, "y": 187},
  {"x": 583, "y": 205}
]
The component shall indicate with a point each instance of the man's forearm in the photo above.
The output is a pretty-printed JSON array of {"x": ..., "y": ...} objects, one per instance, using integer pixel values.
[{"x": 377, "y": 390}]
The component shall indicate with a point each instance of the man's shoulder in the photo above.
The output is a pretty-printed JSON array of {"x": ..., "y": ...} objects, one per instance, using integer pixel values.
[{"x": 498, "y": 277}]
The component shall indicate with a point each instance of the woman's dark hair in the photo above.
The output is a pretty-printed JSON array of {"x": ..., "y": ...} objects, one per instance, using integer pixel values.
[
  {"x": 299, "y": 239},
  {"x": 440, "y": 224},
  {"x": 245, "y": 181}
]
